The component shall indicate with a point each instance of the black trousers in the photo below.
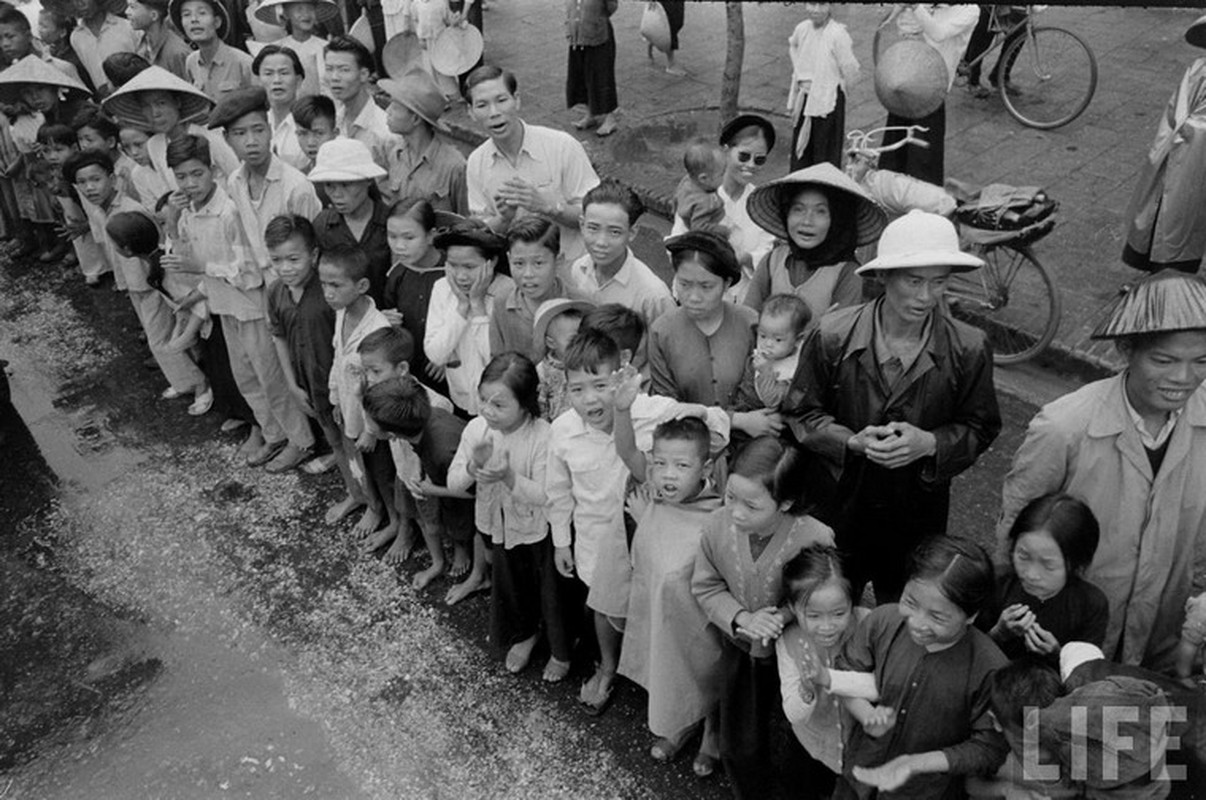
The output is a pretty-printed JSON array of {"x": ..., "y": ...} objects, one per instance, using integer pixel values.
[
  {"x": 826, "y": 140},
  {"x": 923, "y": 163}
]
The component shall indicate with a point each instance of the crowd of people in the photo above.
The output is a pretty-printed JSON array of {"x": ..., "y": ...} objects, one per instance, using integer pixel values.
[{"x": 694, "y": 484}]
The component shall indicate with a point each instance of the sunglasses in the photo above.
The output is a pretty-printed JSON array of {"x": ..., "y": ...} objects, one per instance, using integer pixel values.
[{"x": 743, "y": 156}]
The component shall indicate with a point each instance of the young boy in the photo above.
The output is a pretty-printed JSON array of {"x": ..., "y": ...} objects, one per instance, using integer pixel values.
[
  {"x": 57, "y": 143},
  {"x": 609, "y": 272},
  {"x": 303, "y": 327},
  {"x": 627, "y": 328},
  {"x": 17, "y": 41},
  {"x": 157, "y": 42},
  {"x": 263, "y": 187},
  {"x": 696, "y": 202},
  {"x": 92, "y": 175},
  {"x": 586, "y": 483},
  {"x": 556, "y": 323},
  {"x": 401, "y": 407},
  {"x": 54, "y": 31},
  {"x": 315, "y": 118},
  {"x": 232, "y": 282},
  {"x": 96, "y": 132},
  {"x": 343, "y": 273},
  {"x": 772, "y": 366},
  {"x": 214, "y": 67}
]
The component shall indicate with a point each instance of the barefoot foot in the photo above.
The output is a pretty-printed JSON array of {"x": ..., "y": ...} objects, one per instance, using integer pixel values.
[
  {"x": 555, "y": 670},
  {"x": 462, "y": 561},
  {"x": 401, "y": 550},
  {"x": 346, "y": 506},
  {"x": 520, "y": 654},
  {"x": 380, "y": 539},
  {"x": 424, "y": 578},
  {"x": 368, "y": 523},
  {"x": 475, "y": 583}
]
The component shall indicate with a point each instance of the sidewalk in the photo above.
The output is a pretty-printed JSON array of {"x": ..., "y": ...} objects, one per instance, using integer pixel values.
[{"x": 1090, "y": 166}]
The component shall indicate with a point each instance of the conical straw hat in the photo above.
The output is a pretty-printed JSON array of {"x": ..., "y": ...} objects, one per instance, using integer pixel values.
[
  {"x": 1166, "y": 302},
  {"x": 767, "y": 203},
  {"x": 33, "y": 70},
  {"x": 269, "y": 12},
  {"x": 126, "y": 103}
]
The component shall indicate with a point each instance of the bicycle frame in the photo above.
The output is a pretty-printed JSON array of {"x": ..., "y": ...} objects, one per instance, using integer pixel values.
[{"x": 1003, "y": 34}]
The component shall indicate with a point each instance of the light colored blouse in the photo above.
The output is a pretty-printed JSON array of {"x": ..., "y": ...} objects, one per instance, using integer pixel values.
[{"x": 460, "y": 345}]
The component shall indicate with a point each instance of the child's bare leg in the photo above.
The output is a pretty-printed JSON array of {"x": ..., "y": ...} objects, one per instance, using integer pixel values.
[
  {"x": 404, "y": 543},
  {"x": 374, "y": 510},
  {"x": 355, "y": 495},
  {"x": 383, "y": 486},
  {"x": 433, "y": 537},
  {"x": 462, "y": 559},
  {"x": 596, "y": 691},
  {"x": 478, "y": 580}
]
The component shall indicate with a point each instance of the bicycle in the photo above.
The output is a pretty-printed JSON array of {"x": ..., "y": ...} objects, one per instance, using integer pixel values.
[
  {"x": 1057, "y": 76},
  {"x": 1012, "y": 298}
]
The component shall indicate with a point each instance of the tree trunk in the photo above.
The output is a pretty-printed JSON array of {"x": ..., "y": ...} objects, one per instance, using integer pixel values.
[{"x": 730, "y": 87}]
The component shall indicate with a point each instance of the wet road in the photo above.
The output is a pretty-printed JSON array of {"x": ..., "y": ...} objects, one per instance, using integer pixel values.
[{"x": 223, "y": 642}]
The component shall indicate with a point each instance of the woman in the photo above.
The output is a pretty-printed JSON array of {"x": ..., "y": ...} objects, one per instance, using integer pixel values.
[
  {"x": 895, "y": 398},
  {"x": 1133, "y": 448},
  {"x": 747, "y": 140},
  {"x": 697, "y": 351},
  {"x": 281, "y": 73},
  {"x": 819, "y": 216}
]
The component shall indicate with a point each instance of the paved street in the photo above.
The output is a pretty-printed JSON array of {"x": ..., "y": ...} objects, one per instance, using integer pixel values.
[{"x": 1089, "y": 166}]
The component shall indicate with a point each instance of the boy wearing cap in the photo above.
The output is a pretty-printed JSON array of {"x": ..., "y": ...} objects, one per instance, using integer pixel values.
[
  {"x": 233, "y": 283},
  {"x": 349, "y": 66},
  {"x": 157, "y": 43},
  {"x": 557, "y": 322},
  {"x": 263, "y": 187},
  {"x": 214, "y": 67},
  {"x": 99, "y": 35},
  {"x": 423, "y": 164},
  {"x": 895, "y": 398}
]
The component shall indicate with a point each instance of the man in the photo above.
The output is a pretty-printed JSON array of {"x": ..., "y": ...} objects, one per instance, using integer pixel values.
[
  {"x": 423, "y": 164},
  {"x": 349, "y": 66},
  {"x": 895, "y": 398},
  {"x": 98, "y": 36},
  {"x": 1133, "y": 448},
  {"x": 263, "y": 187},
  {"x": 523, "y": 169},
  {"x": 214, "y": 67},
  {"x": 157, "y": 43}
]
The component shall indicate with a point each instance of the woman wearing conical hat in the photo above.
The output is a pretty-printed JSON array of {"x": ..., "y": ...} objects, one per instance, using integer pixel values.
[{"x": 1133, "y": 447}]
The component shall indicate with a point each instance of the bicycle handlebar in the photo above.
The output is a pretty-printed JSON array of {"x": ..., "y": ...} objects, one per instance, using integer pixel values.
[{"x": 860, "y": 141}]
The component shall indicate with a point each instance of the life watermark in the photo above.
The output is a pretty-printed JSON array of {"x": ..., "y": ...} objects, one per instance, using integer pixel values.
[{"x": 1098, "y": 739}]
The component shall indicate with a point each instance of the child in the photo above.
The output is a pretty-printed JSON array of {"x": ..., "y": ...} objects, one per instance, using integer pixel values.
[
  {"x": 315, "y": 118},
  {"x": 17, "y": 41},
  {"x": 1193, "y": 634},
  {"x": 96, "y": 132},
  {"x": 402, "y": 409},
  {"x": 586, "y": 485},
  {"x": 54, "y": 30},
  {"x": 57, "y": 143},
  {"x": 121, "y": 67},
  {"x": 825, "y": 618},
  {"x": 417, "y": 266},
  {"x": 92, "y": 175},
  {"x": 532, "y": 247},
  {"x": 505, "y": 452},
  {"x": 557, "y": 322},
  {"x": 696, "y": 202},
  {"x": 609, "y": 272},
  {"x": 591, "y": 76},
  {"x": 148, "y": 185},
  {"x": 214, "y": 67},
  {"x": 343, "y": 273},
  {"x": 932, "y": 667},
  {"x": 823, "y": 65},
  {"x": 772, "y": 366},
  {"x": 300, "y": 20},
  {"x": 458, "y": 315},
  {"x": 216, "y": 246},
  {"x": 737, "y": 581},
  {"x": 628, "y": 328},
  {"x": 1043, "y": 600},
  {"x": 669, "y": 648}
]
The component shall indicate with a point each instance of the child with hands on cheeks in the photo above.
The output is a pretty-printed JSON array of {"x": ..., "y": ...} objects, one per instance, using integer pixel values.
[{"x": 738, "y": 582}]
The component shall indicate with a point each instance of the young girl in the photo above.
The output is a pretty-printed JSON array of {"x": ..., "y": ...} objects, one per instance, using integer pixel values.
[
  {"x": 819, "y": 216},
  {"x": 823, "y": 65},
  {"x": 532, "y": 247},
  {"x": 738, "y": 583},
  {"x": 826, "y": 617},
  {"x": 417, "y": 266},
  {"x": 505, "y": 452},
  {"x": 1043, "y": 602},
  {"x": 458, "y": 316},
  {"x": 669, "y": 649},
  {"x": 932, "y": 667}
]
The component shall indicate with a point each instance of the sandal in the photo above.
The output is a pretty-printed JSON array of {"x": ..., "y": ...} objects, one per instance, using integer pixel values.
[
  {"x": 704, "y": 765},
  {"x": 555, "y": 670}
]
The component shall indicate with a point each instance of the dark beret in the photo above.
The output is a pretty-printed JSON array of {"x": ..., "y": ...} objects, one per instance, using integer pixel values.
[{"x": 236, "y": 103}]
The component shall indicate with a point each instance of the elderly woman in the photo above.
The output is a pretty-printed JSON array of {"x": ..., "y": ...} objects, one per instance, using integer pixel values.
[
  {"x": 747, "y": 141},
  {"x": 895, "y": 398},
  {"x": 1133, "y": 448},
  {"x": 819, "y": 216},
  {"x": 697, "y": 351},
  {"x": 281, "y": 73}
]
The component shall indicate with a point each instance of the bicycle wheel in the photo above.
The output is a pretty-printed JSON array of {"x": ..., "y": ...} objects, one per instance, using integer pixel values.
[
  {"x": 1012, "y": 299},
  {"x": 1050, "y": 77}
]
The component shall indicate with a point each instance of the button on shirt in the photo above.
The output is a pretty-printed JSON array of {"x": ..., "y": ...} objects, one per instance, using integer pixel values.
[
  {"x": 285, "y": 191},
  {"x": 228, "y": 70},
  {"x": 371, "y": 127},
  {"x": 115, "y": 36},
  {"x": 437, "y": 174},
  {"x": 634, "y": 285},
  {"x": 550, "y": 160},
  {"x": 698, "y": 368}
]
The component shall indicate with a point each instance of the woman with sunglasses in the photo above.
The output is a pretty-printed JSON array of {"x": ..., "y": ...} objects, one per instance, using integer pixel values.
[
  {"x": 818, "y": 216},
  {"x": 747, "y": 140}
]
